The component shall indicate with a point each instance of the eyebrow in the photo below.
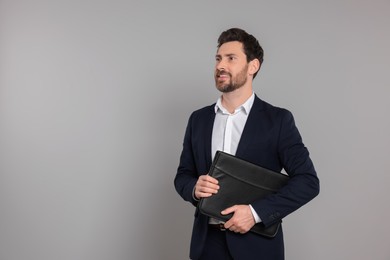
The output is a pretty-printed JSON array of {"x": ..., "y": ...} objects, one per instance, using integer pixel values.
[{"x": 226, "y": 55}]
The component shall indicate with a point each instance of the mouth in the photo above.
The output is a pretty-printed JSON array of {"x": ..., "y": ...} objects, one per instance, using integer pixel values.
[{"x": 222, "y": 75}]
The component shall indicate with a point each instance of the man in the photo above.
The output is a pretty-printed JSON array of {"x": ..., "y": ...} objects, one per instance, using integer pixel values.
[{"x": 243, "y": 125}]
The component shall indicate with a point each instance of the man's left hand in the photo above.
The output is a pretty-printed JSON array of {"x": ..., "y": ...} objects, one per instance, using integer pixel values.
[{"x": 242, "y": 220}]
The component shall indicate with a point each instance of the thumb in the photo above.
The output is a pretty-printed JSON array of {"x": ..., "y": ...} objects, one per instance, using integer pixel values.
[{"x": 228, "y": 210}]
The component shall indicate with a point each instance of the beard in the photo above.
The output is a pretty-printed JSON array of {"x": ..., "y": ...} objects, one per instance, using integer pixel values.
[{"x": 234, "y": 83}]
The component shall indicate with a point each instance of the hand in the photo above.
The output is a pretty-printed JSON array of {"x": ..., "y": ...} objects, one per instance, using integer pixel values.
[
  {"x": 206, "y": 186},
  {"x": 242, "y": 220}
]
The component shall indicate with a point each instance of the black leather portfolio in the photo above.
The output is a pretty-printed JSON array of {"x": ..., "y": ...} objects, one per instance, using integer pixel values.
[{"x": 241, "y": 182}]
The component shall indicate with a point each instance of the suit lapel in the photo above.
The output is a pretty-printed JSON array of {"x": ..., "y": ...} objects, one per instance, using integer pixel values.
[
  {"x": 209, "y": 123},
  {"x": 251, "y": 127}
]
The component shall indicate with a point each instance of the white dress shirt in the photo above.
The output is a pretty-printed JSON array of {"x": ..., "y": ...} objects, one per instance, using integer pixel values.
[{"x": 227, "y": 131}]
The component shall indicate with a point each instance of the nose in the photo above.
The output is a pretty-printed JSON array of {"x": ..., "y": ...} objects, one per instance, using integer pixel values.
[{"x": 220, "y": 64}]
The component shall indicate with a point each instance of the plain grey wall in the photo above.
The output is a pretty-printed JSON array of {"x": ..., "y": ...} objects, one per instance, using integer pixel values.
[{"x": 95, "y": 97}]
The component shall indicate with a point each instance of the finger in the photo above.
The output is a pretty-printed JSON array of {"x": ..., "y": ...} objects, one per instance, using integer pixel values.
[
  {"x": 203, "y": 195},
  {"x": 234, "y": 228},
  {"x": 208, "y": 185},
  {"x": 207, "y": 190},
  {"x": 204, "y": 192},
  {"x": 229, "y": 225},
  {"x": 208, "y": 178},
  {"x": 204, "y": 185},
  {"x": 228, "y": 210}
]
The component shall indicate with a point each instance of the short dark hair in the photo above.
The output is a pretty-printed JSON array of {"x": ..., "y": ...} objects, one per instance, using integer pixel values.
[{"x": 252, "y": 48}]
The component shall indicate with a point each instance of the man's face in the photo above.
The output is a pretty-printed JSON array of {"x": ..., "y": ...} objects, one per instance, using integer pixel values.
[{"x": 231, "y": 67}]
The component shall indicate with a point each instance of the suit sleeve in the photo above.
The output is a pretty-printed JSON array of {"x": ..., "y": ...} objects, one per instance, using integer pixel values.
[
  {"x": 303, "y": 185},
  {"x": 186, "y": 176}
]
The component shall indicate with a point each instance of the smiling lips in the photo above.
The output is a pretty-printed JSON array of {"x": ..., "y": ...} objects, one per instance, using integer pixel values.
[{"x": 222, "y": 75}]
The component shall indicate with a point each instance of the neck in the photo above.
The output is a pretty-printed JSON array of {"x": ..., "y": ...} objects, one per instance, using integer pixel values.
[{"x": 232, "y": 100}]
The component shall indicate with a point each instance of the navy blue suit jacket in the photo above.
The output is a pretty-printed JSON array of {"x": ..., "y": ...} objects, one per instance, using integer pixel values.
[{"x": 269, "y": 139}]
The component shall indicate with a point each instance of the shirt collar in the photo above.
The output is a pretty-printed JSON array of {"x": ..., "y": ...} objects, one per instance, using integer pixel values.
[{"x": 246, "y": 107}]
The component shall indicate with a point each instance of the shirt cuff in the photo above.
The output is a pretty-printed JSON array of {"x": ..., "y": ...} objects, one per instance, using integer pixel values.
[
  {"x": 255, "y": 216},
  {"x": 193, "y": 194}
]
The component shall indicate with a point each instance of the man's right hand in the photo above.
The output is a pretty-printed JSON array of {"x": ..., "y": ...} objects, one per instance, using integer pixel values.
[{"x": 206, "y": 186}]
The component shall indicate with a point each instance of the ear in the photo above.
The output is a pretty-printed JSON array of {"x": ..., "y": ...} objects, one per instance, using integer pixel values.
[{"x": 254, "y": 66}]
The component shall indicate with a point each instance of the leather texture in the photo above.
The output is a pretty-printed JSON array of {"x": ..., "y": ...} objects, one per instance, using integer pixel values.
[{"x": 241, "y": 182}]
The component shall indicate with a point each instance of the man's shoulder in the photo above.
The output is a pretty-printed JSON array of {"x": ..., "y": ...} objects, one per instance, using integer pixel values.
[
  {"x": 204, "y": 111},
  {"x": 270, "y": 108}
]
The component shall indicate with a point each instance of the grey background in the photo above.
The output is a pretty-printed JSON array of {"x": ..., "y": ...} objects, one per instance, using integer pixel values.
[{"x": 95, "y": 97}]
